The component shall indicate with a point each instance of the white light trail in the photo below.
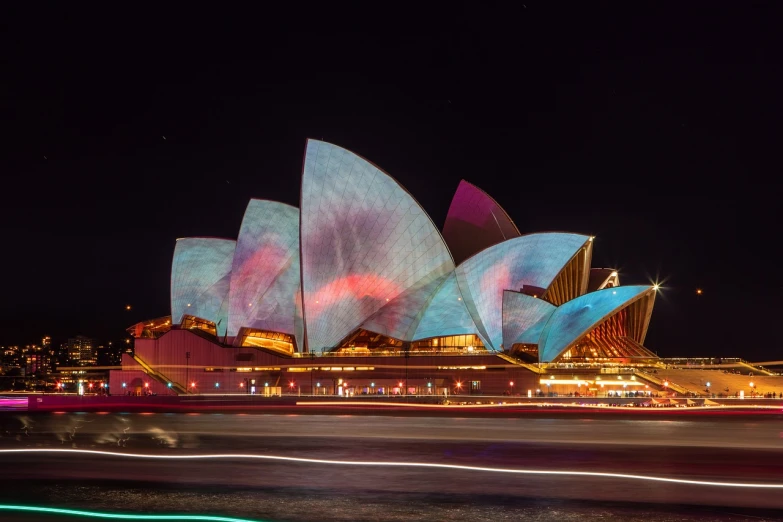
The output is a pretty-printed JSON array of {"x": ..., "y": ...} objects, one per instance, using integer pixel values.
[{"x": 428, "y": 465}]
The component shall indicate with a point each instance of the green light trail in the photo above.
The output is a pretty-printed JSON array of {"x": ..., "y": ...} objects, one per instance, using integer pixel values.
[{"x": 118, "y": 516}]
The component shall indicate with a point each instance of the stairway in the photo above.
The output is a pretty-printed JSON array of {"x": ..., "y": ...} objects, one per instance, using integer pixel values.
[
  {"x": 659, "y": 382},
  {"x": 178, "y": 388},
  {"x": 532, "y": 367}
]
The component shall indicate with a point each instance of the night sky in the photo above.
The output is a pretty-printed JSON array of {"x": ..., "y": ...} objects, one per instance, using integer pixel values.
[{"x": 657, "y": 129}]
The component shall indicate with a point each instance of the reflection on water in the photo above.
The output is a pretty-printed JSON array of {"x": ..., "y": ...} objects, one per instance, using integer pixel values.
[
  {"x": 710, "y": 449},
  {"x": 13, "y": 403},
  {"x": 304, "y": 505}
]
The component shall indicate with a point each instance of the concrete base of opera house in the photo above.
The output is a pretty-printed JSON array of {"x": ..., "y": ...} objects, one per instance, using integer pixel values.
[{"x": 184, "y": 363}]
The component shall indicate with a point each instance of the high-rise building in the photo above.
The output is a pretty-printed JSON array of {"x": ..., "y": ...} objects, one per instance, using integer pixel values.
[
  {"x": 48, "y": 356},
  {"x": 81, "y": 351}
]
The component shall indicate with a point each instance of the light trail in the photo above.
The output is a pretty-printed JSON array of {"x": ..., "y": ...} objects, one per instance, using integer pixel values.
[
  {"x": 569, "y": 406},
  {"x": 120, "y": 516},
  {"x": 428, "y": 465}
]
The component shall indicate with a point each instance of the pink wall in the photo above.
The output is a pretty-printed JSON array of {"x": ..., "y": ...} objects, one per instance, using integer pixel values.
[{"x": 167, "y": 356}]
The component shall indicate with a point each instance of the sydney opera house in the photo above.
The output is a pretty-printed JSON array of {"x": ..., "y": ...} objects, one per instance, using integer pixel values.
[{"x": 358, "y": 292}]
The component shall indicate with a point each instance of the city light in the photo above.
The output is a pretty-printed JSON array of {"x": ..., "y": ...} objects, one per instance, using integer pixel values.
[
  {"x": 192, "y": 384},
  {"x": 127, "y": 307},
  {"x": 169, "y": 385},
  {"x": 698, "y": 291},
  {"x": 217, "y": 385}
]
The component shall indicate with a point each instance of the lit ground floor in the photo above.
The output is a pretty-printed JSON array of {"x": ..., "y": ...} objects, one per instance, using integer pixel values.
[{"x": 371, "y": 382}]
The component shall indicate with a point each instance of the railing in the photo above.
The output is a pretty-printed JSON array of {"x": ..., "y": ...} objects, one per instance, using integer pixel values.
[
  {"x": 662, "y": 382},
  {"x": 159, "y": 376},
  {"x": 716, "y": 363},
  {"x": 532, "y": 367}
]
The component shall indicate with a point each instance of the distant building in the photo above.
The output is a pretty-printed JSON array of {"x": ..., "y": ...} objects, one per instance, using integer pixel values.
[
  {"x": 81, "y": 351},
  {"x": 49, "y": 356},
  {"x": 11, "y": 357}
]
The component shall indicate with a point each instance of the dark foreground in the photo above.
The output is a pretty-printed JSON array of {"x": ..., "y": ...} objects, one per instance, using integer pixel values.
[{"x": 732, "y": 449}]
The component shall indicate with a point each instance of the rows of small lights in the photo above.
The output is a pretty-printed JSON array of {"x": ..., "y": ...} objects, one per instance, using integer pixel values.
[
  {"x": 104, "y": 385},
  {"x": 430, "y": 465},
  {"x": 292, "y": 384}
]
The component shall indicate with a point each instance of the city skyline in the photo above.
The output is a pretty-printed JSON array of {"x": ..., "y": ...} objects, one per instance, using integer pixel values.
[{"x": 657, "y": 144}]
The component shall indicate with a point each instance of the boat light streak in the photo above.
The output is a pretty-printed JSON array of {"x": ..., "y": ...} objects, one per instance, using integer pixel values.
[
  {"x": 121, "y": 516},
  {"x": 429, "y": 465}
]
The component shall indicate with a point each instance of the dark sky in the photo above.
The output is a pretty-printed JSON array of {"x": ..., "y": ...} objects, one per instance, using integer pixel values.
[{"x": 656, "y": 128}]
